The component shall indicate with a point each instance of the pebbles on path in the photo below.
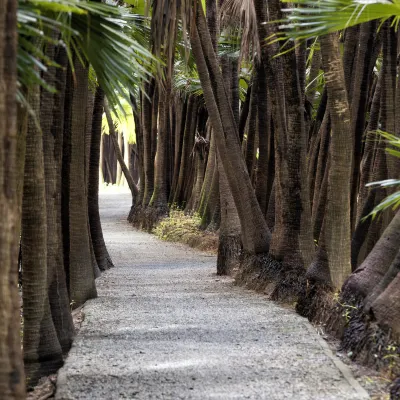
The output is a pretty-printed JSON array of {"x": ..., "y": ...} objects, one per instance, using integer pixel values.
[{"x": 166, "y": 327}]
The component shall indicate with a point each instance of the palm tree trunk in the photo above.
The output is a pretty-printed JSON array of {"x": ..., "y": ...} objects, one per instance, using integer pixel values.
[
  {"x": 148, "y": 160},
  {"x": 52, "y": 124},
  {"x": 42, "y": 350},
  {"x": 336, "y": 230},
  {"x": 189, "y": 129},
  {"x": 120, "y": 158},
  {"x": 100, "y": 250},
  {"x": 81, "y": 268},
  {"x": 159, "y": 198},
  {"x": 255, "y": 233},
  {"x": 10, "y": 342},
  {"x": 372, "y": 270}
]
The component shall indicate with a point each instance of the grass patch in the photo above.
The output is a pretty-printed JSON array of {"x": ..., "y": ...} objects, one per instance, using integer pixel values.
[{"x": 181, "y": 228}]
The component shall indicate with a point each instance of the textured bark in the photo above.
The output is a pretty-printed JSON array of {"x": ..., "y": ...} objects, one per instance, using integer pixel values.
[
  {"x": 230, "y": 244},
  {"x": 100, "y": 250},
  {"x": 349, "y": 57},
  {"x": 375, "y": 266},
  {"x": 244, "y": 113},
  {"x": 386, "y": 308},
  {"x": 81, "y": 268},
  {"x": 335, "y": 232},
  {"x": 12, "y": 379},
  {"x": 179, "y": 134},
  {"x": 290, "y": 243},
  {"x": 362, "y": 72},
  {"x": 190, "y": 125},
  {"x": 320, "y": 179},
  {"x": 252, "y": 127},
  {"x": 255, "y": 234},
  {"x": 159, "y": 198},
  {"x": 148, "y": 160},
  {"x": 264, "y": 174},
  {"x": 52, "y": 125},
  {"x": 42, "y": 350},
  {"x": 390, "y": 275},
  {"x": 210, "y": 189}
]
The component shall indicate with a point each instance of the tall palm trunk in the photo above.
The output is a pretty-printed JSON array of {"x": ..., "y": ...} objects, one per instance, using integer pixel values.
[
  {"x": 51, "y": 121},
  {"x": 100, "y": 250},
  {"x": 10, "y": 343},
  {"x": 81, "y": 268},
  {"x": 42, "y": 350},
  {"x": 230, "y": 242},
  {"x": 159, "y": 198},
  {"x": 336, "y": 231},
  {"x": 189, "y": 129},
  {"x": 148, "y": 161},
  {"x": 255, "y": 234},
  {"x": 291, "y": 240}
]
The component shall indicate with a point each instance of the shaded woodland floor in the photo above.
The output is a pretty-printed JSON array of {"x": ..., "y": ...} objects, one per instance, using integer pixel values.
[{"x": 166, "y": 327}]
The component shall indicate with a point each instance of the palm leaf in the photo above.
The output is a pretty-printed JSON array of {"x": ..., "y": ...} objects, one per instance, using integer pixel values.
[{"x": 310, "y": 18}]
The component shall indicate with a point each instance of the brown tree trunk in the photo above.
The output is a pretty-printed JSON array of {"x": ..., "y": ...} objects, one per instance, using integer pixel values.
[
  {"x": 11, "y": 364},
  {"x": 336, "y": 232},
  {"x": 113, "y": 135},
  {"x": 375, "y": 266},
  {"x": 42, "y": 350},
  {"x": 148, "y": 160},
  {"x": 100, "y": 250},
  {"x": 52, "y": 124},
  {"x": 81, "y": 268},
  {"x": 255, "y": 234}
]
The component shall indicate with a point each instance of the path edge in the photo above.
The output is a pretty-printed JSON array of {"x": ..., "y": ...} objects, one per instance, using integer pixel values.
[{"x": 340, "y": 365}]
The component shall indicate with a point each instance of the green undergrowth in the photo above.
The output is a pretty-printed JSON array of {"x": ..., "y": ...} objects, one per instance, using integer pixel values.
[{"x": 179, "y": 227}]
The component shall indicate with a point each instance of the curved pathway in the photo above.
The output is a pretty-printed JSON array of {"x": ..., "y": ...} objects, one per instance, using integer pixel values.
[{"x": 166, "y": 327}]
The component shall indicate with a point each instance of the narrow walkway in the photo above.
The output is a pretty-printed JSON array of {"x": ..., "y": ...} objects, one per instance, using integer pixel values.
[{"x": 166, "y": 327}]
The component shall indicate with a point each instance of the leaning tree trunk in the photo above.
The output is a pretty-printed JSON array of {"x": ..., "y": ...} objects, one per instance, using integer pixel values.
[
  {"x": 11, "y": 364},
  {"x": 124, "y": 168},
  {"x": 375, "y": 266},
  {"x": 100, "y": 250},
  {"x": 42, "y": 350},
  {"x": 81, "y": 268},
  {"x": 386, "y": 307},
  {"x": 255, "y": 233}
]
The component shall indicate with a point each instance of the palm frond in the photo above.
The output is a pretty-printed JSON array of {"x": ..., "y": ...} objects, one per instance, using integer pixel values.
[
  {"x": 239, "y": 19},
  {"x": 110, "y": 38},
  {"x": 309, "y": 18}
]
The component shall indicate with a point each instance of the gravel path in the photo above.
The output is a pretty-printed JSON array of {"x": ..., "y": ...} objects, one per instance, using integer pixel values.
[{"x": 166, "y": 327}]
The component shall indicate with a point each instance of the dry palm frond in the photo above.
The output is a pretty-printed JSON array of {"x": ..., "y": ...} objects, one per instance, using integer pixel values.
[{"x": 240, "y": 14}]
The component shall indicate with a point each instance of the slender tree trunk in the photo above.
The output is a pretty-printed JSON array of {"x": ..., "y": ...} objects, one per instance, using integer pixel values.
[
  {"x": 148, "y": 160},
  {"x": 255, "y": 234},
  {"x": 120, "y": 141},
  {"x": 100, "y": 250},
  {"x": 81, "y": 269},
  {"x": 132, "y": 185}
]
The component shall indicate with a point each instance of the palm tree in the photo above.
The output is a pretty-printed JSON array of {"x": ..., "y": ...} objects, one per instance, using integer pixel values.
[
  {"x": 42, "y": 350},
  {"x": 10, "y": 346}
]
